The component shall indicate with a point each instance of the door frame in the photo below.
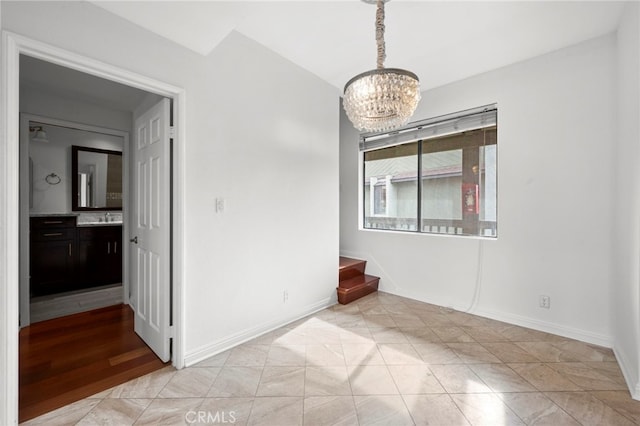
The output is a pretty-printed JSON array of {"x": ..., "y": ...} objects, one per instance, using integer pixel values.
[
  {"x": 13, "y": 45},
  {"x": 25, "y": 119}
]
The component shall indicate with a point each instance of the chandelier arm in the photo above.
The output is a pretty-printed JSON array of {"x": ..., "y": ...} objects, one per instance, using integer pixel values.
[{"x": 380, "y": 33}]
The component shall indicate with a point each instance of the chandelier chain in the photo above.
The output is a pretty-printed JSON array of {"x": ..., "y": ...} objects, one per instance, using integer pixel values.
[
  {"x": 382, "y": 98},
  {"x": 380, "y": 34}
]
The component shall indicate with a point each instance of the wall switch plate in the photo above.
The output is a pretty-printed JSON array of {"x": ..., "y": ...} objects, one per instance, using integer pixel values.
[
  {"x": 219, "y": 205},
  {"x": 545, "y": 301}
]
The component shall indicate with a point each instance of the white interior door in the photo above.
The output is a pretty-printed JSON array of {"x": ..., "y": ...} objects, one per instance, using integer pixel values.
[{"x": 151, "y": 229}]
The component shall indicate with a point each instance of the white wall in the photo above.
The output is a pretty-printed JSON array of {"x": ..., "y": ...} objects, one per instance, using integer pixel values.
[
  {"x": 55, "y": 157},
  {"x": 555, "y": 170},
  {"x": 52, "y": 105},
  {"x": 268, "y": 145},
  {"x": 260, "y": 133},
  {"x": 626, "y": 242}
]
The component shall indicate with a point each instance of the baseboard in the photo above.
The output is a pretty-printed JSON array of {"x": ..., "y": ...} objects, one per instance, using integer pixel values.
[
  {"x": 243, "y": 336},
  {"x": 632, "y": 382},
  {"x": 547, "y": 327}
]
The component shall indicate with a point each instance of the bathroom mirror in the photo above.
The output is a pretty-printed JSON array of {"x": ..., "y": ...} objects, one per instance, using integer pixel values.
[{"x": 96, "y": 179}]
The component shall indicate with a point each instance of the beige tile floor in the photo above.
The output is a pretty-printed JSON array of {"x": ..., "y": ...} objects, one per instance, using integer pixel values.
[{"x": 383, "y": 360}]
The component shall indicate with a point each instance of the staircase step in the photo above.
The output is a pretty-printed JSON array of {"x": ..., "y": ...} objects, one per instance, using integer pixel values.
[
  {"x": 356, "y": 287},
  {"x": 350, "y": 268},
  {"x": 357, "y": 281}
]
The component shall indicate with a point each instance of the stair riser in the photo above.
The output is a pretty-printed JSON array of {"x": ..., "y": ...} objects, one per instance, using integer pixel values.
[
  {"x": 352, "y": 271},
  {"x": 358, "y": 281},
  {"x": 347, "y": 296}
]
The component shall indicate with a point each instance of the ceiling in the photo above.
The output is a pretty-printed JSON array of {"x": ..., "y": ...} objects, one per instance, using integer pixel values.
[
  {"x": 55, "y": 80},
  {"x": 441, "y": 41}
]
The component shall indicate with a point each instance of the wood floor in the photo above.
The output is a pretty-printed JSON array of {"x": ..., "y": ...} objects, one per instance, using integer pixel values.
[{"x": 70, "y": 358}]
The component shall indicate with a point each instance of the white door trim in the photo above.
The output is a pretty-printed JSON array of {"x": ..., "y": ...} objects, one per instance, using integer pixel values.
[
  {"x": 12, "y": 46},
  {"x": 25, "y": 118}
]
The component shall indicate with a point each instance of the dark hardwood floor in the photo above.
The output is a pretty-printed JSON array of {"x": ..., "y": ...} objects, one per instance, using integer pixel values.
[{"x": 63, "y": 360}]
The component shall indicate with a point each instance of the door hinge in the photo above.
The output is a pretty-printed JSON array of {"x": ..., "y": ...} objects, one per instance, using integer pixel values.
[
  {"x": 172, "y": 132},
  {"x": 172, "y": 332}
]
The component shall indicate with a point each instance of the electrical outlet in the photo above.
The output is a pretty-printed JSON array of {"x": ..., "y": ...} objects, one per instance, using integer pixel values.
[
  {"x": 545, "y": 301},
  {"x": 285, "y": 296}
]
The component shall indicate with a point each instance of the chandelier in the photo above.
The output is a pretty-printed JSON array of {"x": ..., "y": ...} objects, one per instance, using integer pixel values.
[{"x": 383, "y": 98}]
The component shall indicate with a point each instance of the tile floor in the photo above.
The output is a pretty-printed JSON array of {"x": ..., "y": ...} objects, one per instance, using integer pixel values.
[
  {"x": 383, "y": 360},
  {"x": 73, "y": 302}
]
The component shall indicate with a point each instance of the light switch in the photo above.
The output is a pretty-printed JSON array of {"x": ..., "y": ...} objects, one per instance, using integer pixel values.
[{"x": 219, "y": 205}]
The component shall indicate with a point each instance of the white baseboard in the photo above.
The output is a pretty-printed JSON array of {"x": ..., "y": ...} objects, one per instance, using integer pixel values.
[
  {"x": 533, "y": 323},
  {"x": 214, "y": 348},
  {"x": 627, "y": 372},
  {"x": 548, "y": 327}
]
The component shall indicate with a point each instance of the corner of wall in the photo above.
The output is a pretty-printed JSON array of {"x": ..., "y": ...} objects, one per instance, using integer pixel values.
[
  {"x": 243, "y": 336},
  {"x": 632, "y": 382},
  {"x": 625, "y": 239}
]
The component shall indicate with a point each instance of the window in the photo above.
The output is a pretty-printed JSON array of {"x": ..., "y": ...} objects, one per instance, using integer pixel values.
[
  {"x": 454, "y": 156},
  {"x": 380, "y": 199},
  {"x": 390, "y": 175}
]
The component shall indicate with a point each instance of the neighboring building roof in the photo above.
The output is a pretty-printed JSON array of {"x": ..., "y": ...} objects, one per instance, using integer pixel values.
[{"x": 435, "y": 165}]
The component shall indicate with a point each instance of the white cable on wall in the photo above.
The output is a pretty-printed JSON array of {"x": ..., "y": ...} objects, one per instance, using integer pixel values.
[{"x": 478, "y": 285}]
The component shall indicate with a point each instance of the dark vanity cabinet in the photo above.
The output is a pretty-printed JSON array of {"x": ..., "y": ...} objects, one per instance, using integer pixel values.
[
  {"x": 66, "y": 257},
  {"x": 65, "y": 254},
  {"x": 53, "y": 250},
  {"x": 99, "y": 255}
]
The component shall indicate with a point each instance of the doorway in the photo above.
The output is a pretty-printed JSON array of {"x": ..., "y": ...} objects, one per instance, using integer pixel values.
[
  {"x": 86, "y": 274},
  {"x": 13, "y": 47},
  {"x": 73, "y": 235}
]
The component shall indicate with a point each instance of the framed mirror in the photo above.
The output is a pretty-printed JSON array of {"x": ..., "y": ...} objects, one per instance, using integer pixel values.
[{"x": 96, "y": 179}]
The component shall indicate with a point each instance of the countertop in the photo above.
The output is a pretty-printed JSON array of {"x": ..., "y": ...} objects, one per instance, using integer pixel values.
[
  {"x": 88, "y": 224},
  {"x": 79, "y": 222},
  {"x": 54, "y": 214}
]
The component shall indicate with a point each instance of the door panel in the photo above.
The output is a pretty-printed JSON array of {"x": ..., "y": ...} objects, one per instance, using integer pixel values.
[{"x": 151, "y": 254}]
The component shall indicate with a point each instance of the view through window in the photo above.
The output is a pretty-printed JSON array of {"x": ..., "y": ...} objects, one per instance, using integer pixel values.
[{"x": 457, "y": 190}]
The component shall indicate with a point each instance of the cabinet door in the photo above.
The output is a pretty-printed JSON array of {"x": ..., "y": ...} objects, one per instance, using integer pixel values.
[
  {"x": 99, "y": 256},
  {"x": 51, "y": 266},
  {"x": 91, "y": 255}
]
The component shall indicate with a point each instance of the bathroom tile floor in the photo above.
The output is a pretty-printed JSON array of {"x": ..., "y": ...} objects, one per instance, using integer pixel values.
[
  {"x": 59, "y": 305},
  {"x": 382, "y": 360}
]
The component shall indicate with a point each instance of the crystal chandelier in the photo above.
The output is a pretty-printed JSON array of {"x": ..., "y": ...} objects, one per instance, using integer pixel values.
[{"x": 383, "y": 98}]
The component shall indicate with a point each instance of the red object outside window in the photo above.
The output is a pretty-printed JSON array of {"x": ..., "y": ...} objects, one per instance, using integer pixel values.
[{"x": 470, "y": 199}]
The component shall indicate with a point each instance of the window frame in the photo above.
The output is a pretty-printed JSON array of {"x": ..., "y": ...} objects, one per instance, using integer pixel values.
[{"x": 483, "y": 228}]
